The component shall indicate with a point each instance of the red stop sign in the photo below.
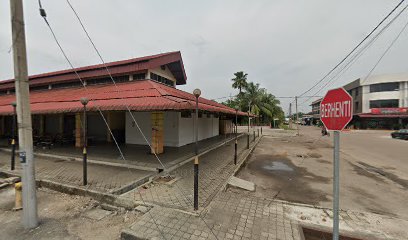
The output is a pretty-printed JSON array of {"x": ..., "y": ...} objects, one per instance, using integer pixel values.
[{"x": 336, "y": 109}]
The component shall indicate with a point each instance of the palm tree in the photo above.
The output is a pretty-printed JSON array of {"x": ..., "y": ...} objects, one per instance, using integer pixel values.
[
  {"x": 259, "y": 102},
  {"x": 240, "y": 81}
]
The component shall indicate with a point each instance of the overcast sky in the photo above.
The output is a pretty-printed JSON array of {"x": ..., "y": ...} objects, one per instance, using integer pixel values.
[{"x": 286, "y": 46}]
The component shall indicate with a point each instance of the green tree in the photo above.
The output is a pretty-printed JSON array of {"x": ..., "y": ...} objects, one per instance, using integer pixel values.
[
  {"x": 259, "y": 102},
  {"x": 239, "y": 81}
]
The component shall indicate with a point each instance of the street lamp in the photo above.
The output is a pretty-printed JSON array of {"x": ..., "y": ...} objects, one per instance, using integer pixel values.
[
  {"x": 196, "y": 93},
  {"x": 236, "y": 136},
  {"x": 13, "y": 136},
  {"x": 84, "y": 102}
]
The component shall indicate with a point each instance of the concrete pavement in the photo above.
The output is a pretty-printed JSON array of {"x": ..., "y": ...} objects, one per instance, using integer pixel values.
[{"x": 299, "y": 169}]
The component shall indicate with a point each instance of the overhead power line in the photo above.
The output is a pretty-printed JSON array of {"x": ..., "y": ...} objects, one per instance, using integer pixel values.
[
  {"x": 355, "y": 48},
  {"x": 357, "y": 55},
  {"x": 386, "y": 51}
]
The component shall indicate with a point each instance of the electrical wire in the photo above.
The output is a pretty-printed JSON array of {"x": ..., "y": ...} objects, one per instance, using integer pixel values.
[
  {"x": 110, "y": 75},
  {"x": 386, "y": 51},
  {"x": 352, "y": 51},
  {"x": 44, "y": 16},
  {"x": 357, "y": 55}
]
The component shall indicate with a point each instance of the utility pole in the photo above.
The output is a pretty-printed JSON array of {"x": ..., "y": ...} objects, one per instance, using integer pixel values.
[
  {"x": 30, "y": 218},
  {"x": 290, "y": 115},
  {"x": 297, "y": 116}
]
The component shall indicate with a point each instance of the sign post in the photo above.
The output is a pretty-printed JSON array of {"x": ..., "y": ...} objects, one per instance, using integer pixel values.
[{"x": 336, "y": 111}]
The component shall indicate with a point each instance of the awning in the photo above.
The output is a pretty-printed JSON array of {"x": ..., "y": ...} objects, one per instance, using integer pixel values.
[{"x": 138, "y": 95}]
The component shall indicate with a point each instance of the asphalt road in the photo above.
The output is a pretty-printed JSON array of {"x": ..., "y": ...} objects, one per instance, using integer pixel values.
[{"x": 373, "y": 170}]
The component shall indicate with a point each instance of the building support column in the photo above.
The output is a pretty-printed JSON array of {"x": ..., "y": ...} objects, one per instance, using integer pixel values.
[
  {"x": 78, "y": 130},
  {"x": 109, "y": 120},
  {"x": 157, "y": 119},
  {"x": 41, "y": 125},
  {"x": 61, "y": 123},
  {"x": 2, "y": 133}
]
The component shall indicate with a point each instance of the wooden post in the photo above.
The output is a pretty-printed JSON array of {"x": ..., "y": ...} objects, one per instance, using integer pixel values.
[
  {"x": 78, "y": 130},
  {"x": 157, "y": 132}
]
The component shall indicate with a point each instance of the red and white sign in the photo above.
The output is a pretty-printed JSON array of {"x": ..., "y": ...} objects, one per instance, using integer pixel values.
[
  {"x": 403, "y": 110},
  {"x": 336, "y": 109}
]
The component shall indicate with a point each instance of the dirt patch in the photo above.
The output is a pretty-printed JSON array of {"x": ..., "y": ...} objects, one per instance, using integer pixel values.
[
  {"x": 363, "y": 172},
  {"x": 378, "y": 174},
  {"x": 368, "y": 200},
  {"x": 388, "y": 175},
  {"x": 314, "y": 155},
  {"x": 277, "y": 177},
  {"x": 323, "y": 161},
  {"x": 62, "y": 216}
]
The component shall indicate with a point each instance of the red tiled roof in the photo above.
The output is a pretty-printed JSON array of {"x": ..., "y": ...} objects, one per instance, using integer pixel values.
[
  {"x": 138, "y": 95},
  {"x": 172, "y": 59}
]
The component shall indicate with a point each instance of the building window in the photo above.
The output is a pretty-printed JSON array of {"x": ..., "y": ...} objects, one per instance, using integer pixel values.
[
  {"x": 356, "y": 92},
  {"x": 185, "y": 114},
  {"x": 107, "y": 80},
  {"x": 388, "y": 103},
  {"x": 356, "y": 106},
  {"x": 161, "y": 79},
  {"x": 139, "y": 76},
  {"x": 66, "y": 85},
  {"x": 384, "y": 87},
  {"x": 43, "y": 87}
]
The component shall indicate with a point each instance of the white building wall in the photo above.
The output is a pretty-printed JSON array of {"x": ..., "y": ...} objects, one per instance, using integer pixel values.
[
  {"x": 133, "y": 135},
  {"x": 402, "y": 95},
  {"x": 207, "y": 127},
  {"x": 178, "y": 131},
  {"x": 171, "y": 127}
]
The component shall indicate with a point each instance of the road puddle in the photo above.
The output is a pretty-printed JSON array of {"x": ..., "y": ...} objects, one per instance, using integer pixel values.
[{"x": 277, "y": 166}]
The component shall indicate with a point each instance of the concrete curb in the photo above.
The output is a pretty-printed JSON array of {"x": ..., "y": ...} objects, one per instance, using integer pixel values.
[
  {"x": 130, "y": 186},
  {"x": 241, "y": 163},
  {"x": 107, "y": 198},
  {"x": 172, "y": 168},
  {"x": 92, "y": 161}
]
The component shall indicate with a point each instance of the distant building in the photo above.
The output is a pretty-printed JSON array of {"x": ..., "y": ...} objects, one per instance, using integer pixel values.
[
  {"x": 316, "y": 111},
  {"x": 380, "y": 101}
]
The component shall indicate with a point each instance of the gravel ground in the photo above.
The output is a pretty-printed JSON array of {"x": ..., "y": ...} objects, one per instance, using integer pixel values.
[{"x": 62, "y": 216}]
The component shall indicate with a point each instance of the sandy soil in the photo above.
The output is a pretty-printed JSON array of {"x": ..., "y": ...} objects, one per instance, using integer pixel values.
[
  {"x": 61, "y": 216},
  {"x": 299, "y": 169}
]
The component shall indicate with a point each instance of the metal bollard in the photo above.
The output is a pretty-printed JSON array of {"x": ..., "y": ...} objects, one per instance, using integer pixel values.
[
  {"x": 261, "y": 130},
  {"x": 13, "y": 153},
  {"x": 85, "y": 167},
  {"x": 18, "y": 192},
  {"x": 235, "y": 154},
  {"x": 258, "y": 132},
  {"x": 196, "y": 183},
  {"x": 248, "y": 140},
  {"x": 254, "y": 136}
]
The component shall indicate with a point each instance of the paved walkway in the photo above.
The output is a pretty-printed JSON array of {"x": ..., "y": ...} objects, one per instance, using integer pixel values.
[
  {"x": 215, "y": 169},
  {"x": 137, "y": 155},
  {"x": 101, "y": 178},
  {"x": 239, "y": 216}
]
